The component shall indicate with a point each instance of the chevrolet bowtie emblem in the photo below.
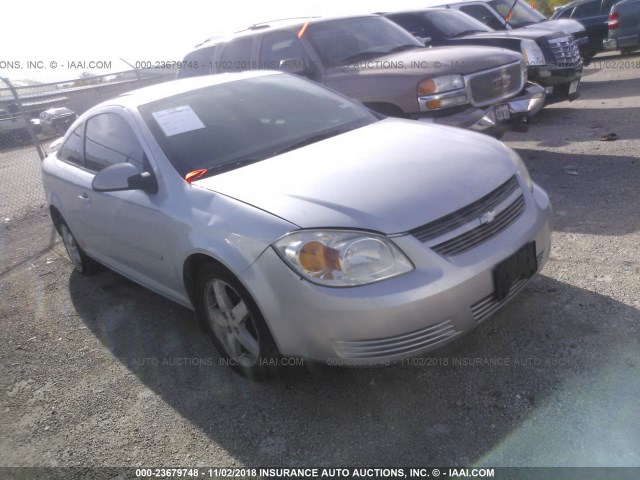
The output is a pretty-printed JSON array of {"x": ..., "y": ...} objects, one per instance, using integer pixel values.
[{"x": 488, "y": 217}]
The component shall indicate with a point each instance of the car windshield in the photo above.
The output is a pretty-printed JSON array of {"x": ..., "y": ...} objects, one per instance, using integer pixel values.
[
  {"x": 521, "y": 15},
  {"x": 345, "y": 41},
  {"x": 453, "y": 23},
  {"x": 225, "y": 126}
]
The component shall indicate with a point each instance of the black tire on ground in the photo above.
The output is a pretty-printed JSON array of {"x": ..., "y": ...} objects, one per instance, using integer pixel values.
[
  {"x": 80, "y": 260},
  {"x": 234, "y": 323}
]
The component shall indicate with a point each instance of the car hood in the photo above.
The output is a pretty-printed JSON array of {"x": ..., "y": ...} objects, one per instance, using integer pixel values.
[
  {"x": 390, "y": 176},
  {"x": 437, "y": 60},
  {"x": 561, "y": 25}
]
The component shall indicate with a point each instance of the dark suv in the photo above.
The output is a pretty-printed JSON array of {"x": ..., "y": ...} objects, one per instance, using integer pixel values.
[
  {"x": 553, "y": 59},
  {"x": 373, "y": 60},
  {"x": 593, "y": 14},
  {"x": 516, "y": 14}
]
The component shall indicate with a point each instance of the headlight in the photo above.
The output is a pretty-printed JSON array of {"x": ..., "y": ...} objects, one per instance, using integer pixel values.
[
  {"x": 532, "y": 54},
  {"x": 445, "y": 83},
  {"x": 521, "y": 167},
  {"x": 340, "y": 258}
]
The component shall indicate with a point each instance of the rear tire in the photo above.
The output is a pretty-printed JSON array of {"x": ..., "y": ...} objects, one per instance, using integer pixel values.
[{"x": 234, "y": 323}]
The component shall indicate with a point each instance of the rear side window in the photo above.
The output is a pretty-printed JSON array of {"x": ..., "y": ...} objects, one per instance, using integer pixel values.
[
  {"x": 589, "y": 9},
  {"x": 110, "y": 140},
  {"x": 72, "y": 150},
  {"x": 280, "y": 46},
  {"x": 236, "y": 55}
]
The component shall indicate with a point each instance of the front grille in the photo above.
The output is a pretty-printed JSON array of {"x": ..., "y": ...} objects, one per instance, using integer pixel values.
[
  {"x": 482, "y": 233},
  {"x": 497, "y": 84},
  {"x": 399, "y": 345},
  {"x": 565, "y": 51},
  {"x": 489, "y": 305}
]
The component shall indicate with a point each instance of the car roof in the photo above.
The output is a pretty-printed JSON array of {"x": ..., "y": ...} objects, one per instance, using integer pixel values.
[
  {"x": 142, "y": 96},
  {"x": 278, "y": 24}
]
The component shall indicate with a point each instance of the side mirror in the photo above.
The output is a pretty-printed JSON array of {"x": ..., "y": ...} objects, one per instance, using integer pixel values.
[
  {"x": 123, "y": 176},
  {"x": 293, "y": 65}
]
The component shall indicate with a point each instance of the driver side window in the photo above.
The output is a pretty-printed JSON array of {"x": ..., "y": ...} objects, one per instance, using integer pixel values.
[{"x": 110, "y": 140}]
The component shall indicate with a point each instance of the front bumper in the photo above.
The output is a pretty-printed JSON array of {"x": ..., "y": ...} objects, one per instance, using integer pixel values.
[
  {"x": 521, "y": 109},
  {"x": 443, "y": 298},
  {"x": 557, "y": 79}
]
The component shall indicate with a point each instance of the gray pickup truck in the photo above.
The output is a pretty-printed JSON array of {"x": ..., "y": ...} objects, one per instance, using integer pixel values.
[
  {"x": 624, "y": 27},
  {"x": 371, "y": 59}
]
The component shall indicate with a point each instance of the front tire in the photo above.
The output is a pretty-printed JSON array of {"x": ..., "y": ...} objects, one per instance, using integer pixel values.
[
  {"x": 234, "y": 323},
  {"x": 81, "y": 262}
]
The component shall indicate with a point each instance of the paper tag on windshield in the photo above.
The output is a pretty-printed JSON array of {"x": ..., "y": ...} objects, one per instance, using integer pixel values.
[{"x": 178, "y": 120}]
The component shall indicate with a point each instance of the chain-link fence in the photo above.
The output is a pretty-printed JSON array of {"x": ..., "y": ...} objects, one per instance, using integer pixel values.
[{"x": 33, "y": 114}]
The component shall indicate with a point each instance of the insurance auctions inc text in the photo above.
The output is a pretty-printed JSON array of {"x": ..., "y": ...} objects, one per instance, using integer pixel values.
[{"x": 330, "y": 473}]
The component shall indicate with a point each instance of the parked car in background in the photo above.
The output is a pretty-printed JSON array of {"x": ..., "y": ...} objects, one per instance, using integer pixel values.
[
  {"x": 516, "y": 14},
  {"x": 593, "y": 14},
  {"x": 373, "y": 60},
  {"x": 54, "y": 121},
  {"x": 624, "y": 27},
  {"x": 285, "y": 215},
  {"x": 553, "y": 59}
]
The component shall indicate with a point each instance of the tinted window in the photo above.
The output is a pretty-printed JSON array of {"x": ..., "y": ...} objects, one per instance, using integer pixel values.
[
  {"x": 606, "y": 6},
  {"x": 518, "y": 13},
  {"x": 72, "y": 149},
  {"x": 453, "y": 23},
  {"x": 236, "y": 55},
  {"x": 222, "y": 127},
  {"x": 350, "y": 40},
  {"x": 482, "y": 14},
  {"x": 414, "y": 24},
  {"x": 110, "y": 140},
  {"x": 589, "y": 9},
  {"x": 280, "y": 46},
  {"x": 197, "y": 63},
  {"x": 565, "y": 13}
]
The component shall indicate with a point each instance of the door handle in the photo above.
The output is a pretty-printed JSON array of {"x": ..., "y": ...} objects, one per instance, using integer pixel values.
[{"x": 84, "y": 197}]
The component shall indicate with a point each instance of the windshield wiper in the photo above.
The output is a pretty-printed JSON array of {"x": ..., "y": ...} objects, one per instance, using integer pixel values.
[
  {"x": 467, "y": 32},
  {"x": 362, "y": 56},
  {"x": 402, "y": 48}
]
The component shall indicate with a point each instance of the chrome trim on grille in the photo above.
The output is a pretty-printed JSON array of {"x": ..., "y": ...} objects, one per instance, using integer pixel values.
[
  {"x": 486, "y": 307},
  {"x": 458, "y": 218},
  {"x": 398, "y": 345},
  {"x": 565, "y": 51},
  {"x": 484, "y": 232},
  {"x": 516, "y": 71}
]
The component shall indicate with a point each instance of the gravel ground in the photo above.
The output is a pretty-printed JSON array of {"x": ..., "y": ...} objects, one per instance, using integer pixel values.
[{"x": 98, "y": 371}]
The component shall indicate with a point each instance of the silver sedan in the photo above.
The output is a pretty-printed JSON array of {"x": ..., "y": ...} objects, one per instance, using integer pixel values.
[{"x": 295, "y": 222}]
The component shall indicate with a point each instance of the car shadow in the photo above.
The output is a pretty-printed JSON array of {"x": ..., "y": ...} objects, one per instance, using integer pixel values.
[
  {"x": 617, "y": 91},
  {"x": 548, "y": 127},
  {"x": 482, "y": 399},
  {"x": 609, "y": 207}
]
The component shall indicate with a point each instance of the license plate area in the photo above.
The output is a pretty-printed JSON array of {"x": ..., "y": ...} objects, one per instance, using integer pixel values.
[
  {"x": 573, "y": 87},
  {"x": 521, "y": 264},
  {"x": 502, "y": 112}
]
